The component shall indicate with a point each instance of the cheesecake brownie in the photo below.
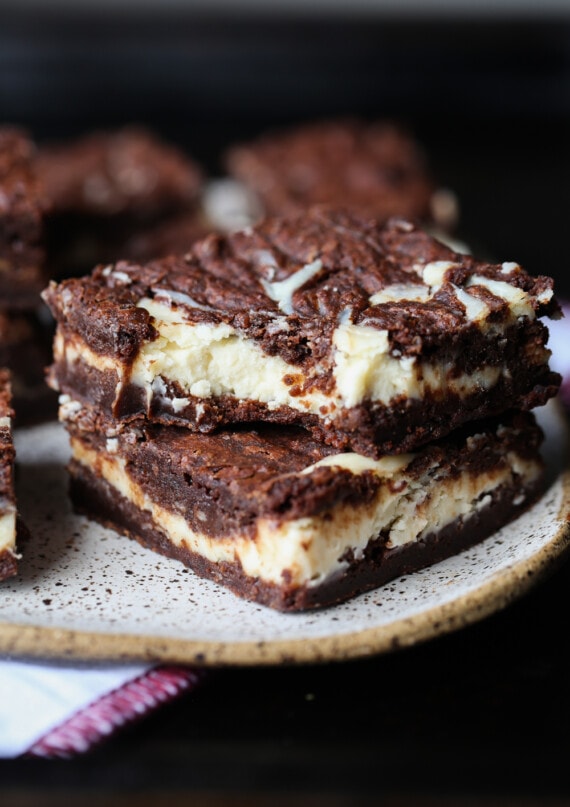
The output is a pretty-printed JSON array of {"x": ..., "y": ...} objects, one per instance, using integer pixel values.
[
  {"x": 376, "y": 338},
  {"x": 376, "y": 169},
  {"x": 282, "y": 519},
  {"x": 105, "y": 187},
  {"x": 22, "y": 209},
  {"x": 8, "y": 554}
]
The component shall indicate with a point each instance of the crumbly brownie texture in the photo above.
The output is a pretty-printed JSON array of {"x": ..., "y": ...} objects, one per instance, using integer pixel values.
[
  {"x": 376, "y": 169},
  {"x": 378, "y": 339},
  {"x": 22, "y": 208},
  {"x": 279, "y": 519},
  {"x": 8, "y": 555}
]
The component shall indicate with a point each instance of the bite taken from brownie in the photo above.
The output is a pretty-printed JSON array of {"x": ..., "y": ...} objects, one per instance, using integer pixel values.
[
  {"x": 376, "y": 338},
  {"x": 282, "y": 519}
]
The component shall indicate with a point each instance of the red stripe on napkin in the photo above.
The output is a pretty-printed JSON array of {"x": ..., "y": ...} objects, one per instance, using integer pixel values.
[{"x": 122, "y": 706}]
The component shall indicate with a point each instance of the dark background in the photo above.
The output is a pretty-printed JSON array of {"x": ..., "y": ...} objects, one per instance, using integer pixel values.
[
  {"x": 480, "y": 716},
  {"x": 488, "y": 97}
]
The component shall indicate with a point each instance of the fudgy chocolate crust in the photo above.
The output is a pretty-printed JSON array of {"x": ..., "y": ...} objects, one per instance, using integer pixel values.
[
  {"x": 93, "y": 497},
  {"x": 231, "y": 281},
  {"x": 23, "y": 205},
  {"x": 377, "y": 169}
]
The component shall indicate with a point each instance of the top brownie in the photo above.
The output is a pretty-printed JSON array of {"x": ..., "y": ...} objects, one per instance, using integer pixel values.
[
  {"x": 22, "y": 208},
  {"x": 377, "y": 169},
  {"x": 377, "y": 338}
]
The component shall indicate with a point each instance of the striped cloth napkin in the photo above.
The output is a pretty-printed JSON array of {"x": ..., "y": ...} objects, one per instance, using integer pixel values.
[{"x": 56, "y": 710}]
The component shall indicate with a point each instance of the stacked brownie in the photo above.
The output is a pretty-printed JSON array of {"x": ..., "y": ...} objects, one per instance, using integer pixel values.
[
  {"x": 304, "y": 409},
  {"x": 25, "y": 338},
  {"x": 25, "y": 343}
]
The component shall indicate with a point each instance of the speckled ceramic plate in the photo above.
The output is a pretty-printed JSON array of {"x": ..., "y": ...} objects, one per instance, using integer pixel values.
[{"x": 86, "y": 593}]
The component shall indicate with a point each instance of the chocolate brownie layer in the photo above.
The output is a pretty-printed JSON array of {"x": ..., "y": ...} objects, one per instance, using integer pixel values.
[
  {"x": 8, "y": 555},
  {"x": 376, "y": 169},
  {"x": 280, "y": 519},
  {"x": 22, "y": 208},
  {"x": 377, "y": 338}
]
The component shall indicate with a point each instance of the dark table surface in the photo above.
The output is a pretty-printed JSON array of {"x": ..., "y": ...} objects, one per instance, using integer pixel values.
[{"x": 478, "y": 716}]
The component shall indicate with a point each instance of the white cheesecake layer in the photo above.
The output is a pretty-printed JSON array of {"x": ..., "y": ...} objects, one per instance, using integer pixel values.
[
  {"x": 212, "y": 360},
  {"x": 310, "y": 550}
]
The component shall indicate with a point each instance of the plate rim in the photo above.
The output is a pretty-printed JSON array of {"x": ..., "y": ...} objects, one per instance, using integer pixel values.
[{"x": 502, "y": 588}]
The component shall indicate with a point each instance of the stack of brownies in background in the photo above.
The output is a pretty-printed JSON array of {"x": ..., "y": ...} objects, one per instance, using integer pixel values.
[
  {"x": 24, "y": 336},
  {"x": 66, "y": 207},
  {"x": 306, "y": 408},
  {"x": 63, "y": 208},
  {"x": 24, "y": 339},
  {"x": 377, "y": 169}
]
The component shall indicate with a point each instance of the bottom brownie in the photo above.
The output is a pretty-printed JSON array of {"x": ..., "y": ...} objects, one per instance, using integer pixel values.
[
  {"x": 285, "y": 521},
  {"x": 378, "y": 565}
]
